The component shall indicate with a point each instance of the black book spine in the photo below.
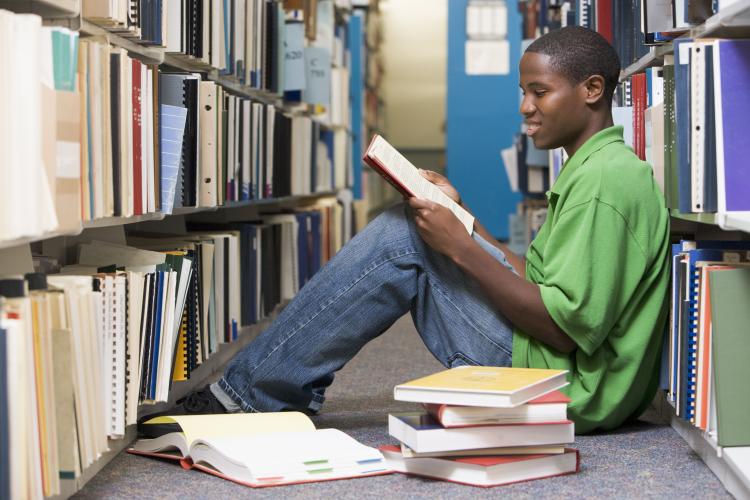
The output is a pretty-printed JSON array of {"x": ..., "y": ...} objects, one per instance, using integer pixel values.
[{"x": 114, "y": 105}]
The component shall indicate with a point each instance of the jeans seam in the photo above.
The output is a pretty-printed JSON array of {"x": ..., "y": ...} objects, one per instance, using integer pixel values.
[
  {"x": 326, "y": 306},
  {"x": 466, "y": 318},
  {"x": 246, "y": 407}
]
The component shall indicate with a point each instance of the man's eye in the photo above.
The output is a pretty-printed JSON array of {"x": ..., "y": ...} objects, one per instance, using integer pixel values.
[{"x": 540, "y": 93}]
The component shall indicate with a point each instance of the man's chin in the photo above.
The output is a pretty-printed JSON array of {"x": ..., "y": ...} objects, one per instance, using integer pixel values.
[{"x": 540, "y": 143}]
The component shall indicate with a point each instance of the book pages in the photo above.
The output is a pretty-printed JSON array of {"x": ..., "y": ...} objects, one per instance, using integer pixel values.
[
  {"x": 236, "y": 424},
  {"x": 404, "y": 172}
]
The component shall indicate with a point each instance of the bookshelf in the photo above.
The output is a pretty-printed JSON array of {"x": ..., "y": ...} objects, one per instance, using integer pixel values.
[
  {"x": 208, "y": 371},
  {"x": 731, "y": 464},
  {"x": 229, "y": 212}
]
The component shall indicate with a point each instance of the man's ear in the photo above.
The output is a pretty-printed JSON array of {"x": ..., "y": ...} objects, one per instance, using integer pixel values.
[{"x": 594, "y": 88}]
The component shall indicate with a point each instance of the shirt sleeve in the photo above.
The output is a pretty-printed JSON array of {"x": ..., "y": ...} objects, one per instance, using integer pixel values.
[{"x": 592, "y": 267}]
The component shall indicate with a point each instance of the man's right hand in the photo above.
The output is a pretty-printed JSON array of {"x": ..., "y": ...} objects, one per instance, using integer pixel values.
[{"x": 441, "y": 182}]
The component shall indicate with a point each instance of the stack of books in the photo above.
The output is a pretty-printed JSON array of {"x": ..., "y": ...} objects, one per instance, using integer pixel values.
[{"x": 484, "y": 426}]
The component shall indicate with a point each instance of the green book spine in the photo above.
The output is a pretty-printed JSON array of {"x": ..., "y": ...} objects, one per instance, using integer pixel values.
[{"x": 730, "y": 339}]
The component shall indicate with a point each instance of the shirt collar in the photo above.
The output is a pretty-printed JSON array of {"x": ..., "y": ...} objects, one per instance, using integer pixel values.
[{"x": 592, "y": 145}]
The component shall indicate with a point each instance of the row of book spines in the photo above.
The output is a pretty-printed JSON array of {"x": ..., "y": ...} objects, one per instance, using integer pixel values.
[{"x": 231, "y": 190}]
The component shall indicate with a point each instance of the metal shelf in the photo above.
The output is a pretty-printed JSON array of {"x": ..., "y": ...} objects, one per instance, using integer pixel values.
[
  {"x": 25, "y": 240},
  {"x": 730, "y": 465},
  {"x": 738, "y": 221},
  {"x": 148, "y": 54},
  {"x": 120, "y": 221},
  {"x": 731, "y": 22},
  {"x": 655, "y": 57},
  {"x": 53, "y": 9}
]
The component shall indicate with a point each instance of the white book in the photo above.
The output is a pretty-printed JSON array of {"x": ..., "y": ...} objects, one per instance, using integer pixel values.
[
  {"x": 405, "y": 177},
  {"x": 119, "y": 314},
  {"x": 263, "y": 449},
  {"x": 208, "y": 181},
  {"x": 422, "y": 433},
  {"x": 697, "y": 124},
  {"x": 173, "y": 16}
]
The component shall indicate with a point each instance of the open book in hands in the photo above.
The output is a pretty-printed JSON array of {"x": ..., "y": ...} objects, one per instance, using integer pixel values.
[
  {"x": 262, "y": 449},
  {"x": 405, "y": 177}
]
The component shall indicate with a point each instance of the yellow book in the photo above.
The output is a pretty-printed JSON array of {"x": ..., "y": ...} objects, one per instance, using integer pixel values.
[{"x": 493, "y": 386}]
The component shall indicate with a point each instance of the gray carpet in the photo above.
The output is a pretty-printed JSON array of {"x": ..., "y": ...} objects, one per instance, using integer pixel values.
[{"x": 643, "y": 460}]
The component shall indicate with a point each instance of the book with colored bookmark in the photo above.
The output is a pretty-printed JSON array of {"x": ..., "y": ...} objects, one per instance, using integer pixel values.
[{"x": 260, "y": 449}]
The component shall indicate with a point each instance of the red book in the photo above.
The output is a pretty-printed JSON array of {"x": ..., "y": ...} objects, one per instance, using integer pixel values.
[
  {"x": 137, "y": 158},
  {"x": 604, "y": 18},
  {"x": 638, "y": 92},
  {"x": 405, "y": 177},
  {"x": 551, "y": 407},
  {"x": 484, "y": 471}
]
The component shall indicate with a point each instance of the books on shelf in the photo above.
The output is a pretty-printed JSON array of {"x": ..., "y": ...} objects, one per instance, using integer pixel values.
[
  {"x": 485, "y": 470},
  {"x": 550, "y": 407},
  {"x": 262, "y": 449},
  {"x": 493, "y": 386},
  {"x": 407, "y": 180},
  {"x": 692, "y": 359}
]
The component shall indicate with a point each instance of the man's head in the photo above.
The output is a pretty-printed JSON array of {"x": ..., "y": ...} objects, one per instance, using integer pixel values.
[{"x": 568, "y": 77}]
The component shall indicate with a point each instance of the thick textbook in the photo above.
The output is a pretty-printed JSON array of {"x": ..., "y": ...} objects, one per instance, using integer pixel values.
[
  {"x": 495, "y": 386},
  {"x": 261, "y": 449},
  {"x": 423, "y": 434},
  {"x": 484, "y": 471},
  {"x": 730, "y": 316},
  {"x": 401, "y": 174},
  {"x": 551, "y": 407}
]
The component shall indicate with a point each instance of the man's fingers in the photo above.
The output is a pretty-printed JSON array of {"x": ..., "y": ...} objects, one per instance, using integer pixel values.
[{"x": 417, "y": 203}]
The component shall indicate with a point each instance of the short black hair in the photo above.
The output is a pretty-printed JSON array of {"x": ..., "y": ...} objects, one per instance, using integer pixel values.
[{"x": 578, "y": 53}]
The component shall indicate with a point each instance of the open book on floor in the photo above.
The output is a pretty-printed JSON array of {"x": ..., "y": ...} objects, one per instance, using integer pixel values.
[
  {"x": 262, "y": 449},
  {"x": 484, "y": 471}
]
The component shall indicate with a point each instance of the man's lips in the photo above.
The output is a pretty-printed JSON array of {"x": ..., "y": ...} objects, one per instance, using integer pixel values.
[{"x": 532, "y": 128}]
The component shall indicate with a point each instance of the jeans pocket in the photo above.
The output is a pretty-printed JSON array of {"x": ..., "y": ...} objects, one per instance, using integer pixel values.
[{"x": 460, "y": 359}]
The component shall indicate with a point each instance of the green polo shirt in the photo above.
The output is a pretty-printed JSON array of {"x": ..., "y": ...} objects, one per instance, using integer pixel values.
[{"x": 601, "y": 263}]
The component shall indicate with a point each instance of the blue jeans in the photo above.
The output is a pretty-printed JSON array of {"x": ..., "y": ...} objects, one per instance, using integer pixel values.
[{"x": 383, "y": 272}]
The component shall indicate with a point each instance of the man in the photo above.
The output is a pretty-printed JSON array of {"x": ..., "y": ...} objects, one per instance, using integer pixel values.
[{"x": 591, "y": 297}]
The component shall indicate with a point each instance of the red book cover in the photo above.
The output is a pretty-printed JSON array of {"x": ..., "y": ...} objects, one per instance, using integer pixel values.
[
  {"x": 137, "y": 158},
  {"x": 604, "y": 18},
  {"x": 638, "y": 90},
  {"x": 187, "y": 463},
  {"x": 484, "y": 471}
]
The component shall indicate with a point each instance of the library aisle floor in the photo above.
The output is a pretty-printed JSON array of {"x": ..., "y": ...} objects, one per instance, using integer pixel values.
[{"x": 646, "y": 459}]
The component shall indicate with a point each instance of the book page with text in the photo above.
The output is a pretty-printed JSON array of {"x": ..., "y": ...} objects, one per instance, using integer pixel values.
[{"x": 407, "y": 174}]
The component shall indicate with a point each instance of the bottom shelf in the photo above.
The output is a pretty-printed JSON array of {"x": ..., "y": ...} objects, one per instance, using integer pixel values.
[
  {"x": 730, "y": 465},
  {"x": 202, "y": 375}
]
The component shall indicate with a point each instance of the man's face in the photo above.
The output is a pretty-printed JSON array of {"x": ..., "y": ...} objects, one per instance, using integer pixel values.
[{"x": 553, "y": 108}]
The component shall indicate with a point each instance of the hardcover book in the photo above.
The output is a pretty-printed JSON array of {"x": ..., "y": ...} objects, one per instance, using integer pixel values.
[
  {"x": 259, "y": 449},
  {"x": 551, "y": 407},
  {"x": 495, "y": 386},
  {"x": 423, "y": 434},
  {"x": 484, "y": 471},
  {"x": 405, "y": 177}
]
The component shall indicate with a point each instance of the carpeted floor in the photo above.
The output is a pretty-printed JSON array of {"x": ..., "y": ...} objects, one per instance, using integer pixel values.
[{"x": 643, "y": 460}]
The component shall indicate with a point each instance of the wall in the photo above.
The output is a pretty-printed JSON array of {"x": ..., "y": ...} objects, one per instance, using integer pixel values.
[
  {"x": 482, "y": 116},
  {"x": 414, "y": 86}
]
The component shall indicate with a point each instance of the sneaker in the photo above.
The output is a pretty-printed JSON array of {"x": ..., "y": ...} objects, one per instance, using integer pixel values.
[{"x": 199, "y": 402}]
